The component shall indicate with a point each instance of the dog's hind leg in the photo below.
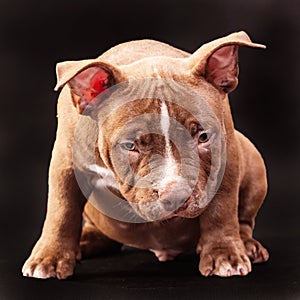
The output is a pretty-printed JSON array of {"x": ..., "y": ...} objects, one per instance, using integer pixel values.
[
  {"x": 93, "y": 242},
  {"x": 252, "y": 193}
]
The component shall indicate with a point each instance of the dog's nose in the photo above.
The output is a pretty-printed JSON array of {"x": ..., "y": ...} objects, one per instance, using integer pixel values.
[{"x": 171, "y": 201}]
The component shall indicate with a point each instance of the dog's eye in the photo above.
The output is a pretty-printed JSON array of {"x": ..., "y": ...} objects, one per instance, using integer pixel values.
[
  {"x": 203, "y": 137},
  {"x": 129, "y": 146}
]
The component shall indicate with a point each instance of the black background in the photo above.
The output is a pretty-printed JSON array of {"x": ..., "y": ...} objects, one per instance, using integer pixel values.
[{"x": 35, "y": 35}]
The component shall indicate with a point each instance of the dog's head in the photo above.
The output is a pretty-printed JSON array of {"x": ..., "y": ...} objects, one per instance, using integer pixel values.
[{"x": 161, "y": 123}]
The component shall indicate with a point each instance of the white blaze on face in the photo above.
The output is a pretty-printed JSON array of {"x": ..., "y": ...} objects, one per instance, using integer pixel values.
[{"x": 170, "y": 168}]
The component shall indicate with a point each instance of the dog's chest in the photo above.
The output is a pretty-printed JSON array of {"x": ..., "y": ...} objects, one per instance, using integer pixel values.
[
  {"x": 176, "y": 234},
  {"x": 172, "y": 240}
]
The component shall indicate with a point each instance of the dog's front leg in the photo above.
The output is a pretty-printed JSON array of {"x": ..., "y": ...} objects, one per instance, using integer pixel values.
[
  {"x": 55, "y": 253},
  {"x": 221, "y": 249}
]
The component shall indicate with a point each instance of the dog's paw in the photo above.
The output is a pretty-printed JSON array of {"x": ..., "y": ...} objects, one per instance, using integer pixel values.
[
  {"x": 256, "y": 252},
  {"x": 224, "y": 259},
  {"x": 48, "y": 263}
]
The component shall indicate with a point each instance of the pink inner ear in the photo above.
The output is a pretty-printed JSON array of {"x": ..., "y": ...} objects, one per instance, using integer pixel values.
[
  {"x": 99, "y": 83},
  {"x": 88, "y": 84},
  {"x": 223, "y": 58},
  {"x": 222, "y": 68}
]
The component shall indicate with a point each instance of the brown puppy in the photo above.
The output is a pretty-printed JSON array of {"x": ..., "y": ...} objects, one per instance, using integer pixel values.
[{"x": 161, "y": 173}]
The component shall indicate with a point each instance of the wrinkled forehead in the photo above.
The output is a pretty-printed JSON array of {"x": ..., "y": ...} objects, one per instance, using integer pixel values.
[
  {"x": 154, "y": 120},
  {"x": 155, "y": 105},
  {"x": 133, "y": 119}
]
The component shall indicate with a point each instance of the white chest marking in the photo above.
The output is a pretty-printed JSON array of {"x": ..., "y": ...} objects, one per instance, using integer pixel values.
[{"x": 105, "y": 176}]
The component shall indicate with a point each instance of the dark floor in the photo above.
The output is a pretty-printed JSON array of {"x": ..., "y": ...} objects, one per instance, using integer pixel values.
[{"x": 135, "y": 274}]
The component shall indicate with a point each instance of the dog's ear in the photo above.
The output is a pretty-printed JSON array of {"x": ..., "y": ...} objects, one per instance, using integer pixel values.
[
  {"x": 86, "y": 79},
  {"x": 217, "y": 61}
]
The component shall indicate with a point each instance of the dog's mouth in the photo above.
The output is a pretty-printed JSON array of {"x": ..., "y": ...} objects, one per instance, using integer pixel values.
[
  {"x": 182, "y": 207},
  {"x": 191, "y": 208},
  {"x": 153, "y": 208},
  {"x": 176, "y": 212}
]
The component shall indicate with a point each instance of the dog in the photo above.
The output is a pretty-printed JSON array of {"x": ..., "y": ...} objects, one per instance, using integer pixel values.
[{"x": 161, "y": 143}]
